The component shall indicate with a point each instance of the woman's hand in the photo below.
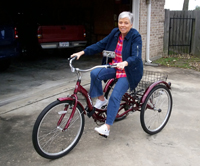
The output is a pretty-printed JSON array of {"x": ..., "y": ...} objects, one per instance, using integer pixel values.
[
  {"x": 78, "y": 54},
  {"x": 121, "y": 65}
]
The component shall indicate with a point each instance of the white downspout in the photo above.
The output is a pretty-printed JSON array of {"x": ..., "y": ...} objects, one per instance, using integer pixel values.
[
  {"x": 136, "y": 13},
  {"x": 148, "y": 32}
]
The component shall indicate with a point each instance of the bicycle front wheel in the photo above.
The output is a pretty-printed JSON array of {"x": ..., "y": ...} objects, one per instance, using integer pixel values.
[
  {"x": 49, "y": 140},
  {"x": 156, "y": 110}
]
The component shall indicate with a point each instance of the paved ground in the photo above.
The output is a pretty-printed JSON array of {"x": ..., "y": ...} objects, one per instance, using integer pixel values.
[{"x": 27, "y": 87}]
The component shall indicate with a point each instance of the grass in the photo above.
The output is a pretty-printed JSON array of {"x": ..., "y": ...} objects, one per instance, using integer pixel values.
[{"x": 181, "y": 61}]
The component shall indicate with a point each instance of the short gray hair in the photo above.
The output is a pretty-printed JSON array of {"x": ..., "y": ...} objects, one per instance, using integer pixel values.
[{"x": 126, "y": 14}]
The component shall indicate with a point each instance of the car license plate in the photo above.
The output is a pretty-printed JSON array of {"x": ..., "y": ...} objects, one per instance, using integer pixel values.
[{"x": 63, "y": 44}]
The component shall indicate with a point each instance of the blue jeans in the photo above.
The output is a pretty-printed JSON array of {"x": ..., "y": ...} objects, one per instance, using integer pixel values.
[{"x": 122, "y": 85}]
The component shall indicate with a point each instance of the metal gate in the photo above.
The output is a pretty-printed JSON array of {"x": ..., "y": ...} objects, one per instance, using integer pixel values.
[{"x": 180, "y": 35}]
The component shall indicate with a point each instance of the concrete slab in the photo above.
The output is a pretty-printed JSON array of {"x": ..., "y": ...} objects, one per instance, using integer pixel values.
[{"x": 128, "y": 144}]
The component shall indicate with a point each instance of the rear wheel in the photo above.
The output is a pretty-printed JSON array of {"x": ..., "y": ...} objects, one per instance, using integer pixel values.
[
  {"x": 156, "y": 109},
  {"x": 49, "y": 139}
]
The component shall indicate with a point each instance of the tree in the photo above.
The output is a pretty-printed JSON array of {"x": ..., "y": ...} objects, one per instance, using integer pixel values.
[
  {"x": 197, "y": 8},
  {"x": 186, "y": 4}
]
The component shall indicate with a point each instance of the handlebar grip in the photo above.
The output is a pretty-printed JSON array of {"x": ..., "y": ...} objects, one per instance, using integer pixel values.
[
  {"x": 112, "y": 66},
  {"x": 75, "y": 57}
]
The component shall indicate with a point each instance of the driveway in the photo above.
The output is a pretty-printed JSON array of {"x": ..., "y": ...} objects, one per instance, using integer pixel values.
[{"x": 27, "y": 87}]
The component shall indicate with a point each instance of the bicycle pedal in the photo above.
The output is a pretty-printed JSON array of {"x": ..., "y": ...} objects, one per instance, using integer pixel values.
[
  {"x": 105, "y": 136},
  {"x": 104, "y": 107}
]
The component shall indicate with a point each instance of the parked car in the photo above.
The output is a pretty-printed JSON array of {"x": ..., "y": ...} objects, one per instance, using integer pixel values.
[
  {"x": 61, "y": 30},
  {"x": 9, "y": 45},
  {"x": 64, "y": 36}
]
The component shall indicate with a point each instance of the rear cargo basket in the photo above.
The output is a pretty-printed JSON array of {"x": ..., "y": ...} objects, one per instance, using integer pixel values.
[{"x": 148, "y": 78}]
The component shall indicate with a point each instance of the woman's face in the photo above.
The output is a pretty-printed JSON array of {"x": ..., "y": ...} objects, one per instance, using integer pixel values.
[{"x": 124, "y": 25}]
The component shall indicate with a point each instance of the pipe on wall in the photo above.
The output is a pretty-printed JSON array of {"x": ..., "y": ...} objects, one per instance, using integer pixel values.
[
  {"x": 136, "y": 13},
  {"x": 148, "y": 31}
]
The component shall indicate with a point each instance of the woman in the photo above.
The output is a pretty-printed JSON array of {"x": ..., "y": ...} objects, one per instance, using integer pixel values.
[{"x": 127, "y": 44}]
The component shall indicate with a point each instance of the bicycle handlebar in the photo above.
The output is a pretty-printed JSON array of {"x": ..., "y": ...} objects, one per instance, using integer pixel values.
[{"x": 77, "y": 69}]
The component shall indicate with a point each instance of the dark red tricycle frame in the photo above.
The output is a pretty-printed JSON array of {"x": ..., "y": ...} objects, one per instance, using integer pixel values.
[
  {"x": 133, "y": 100},
  {"x": 151, "y": 97}
]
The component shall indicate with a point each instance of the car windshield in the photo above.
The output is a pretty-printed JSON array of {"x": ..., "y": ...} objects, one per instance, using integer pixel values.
[{"x": 61, "y": 17}]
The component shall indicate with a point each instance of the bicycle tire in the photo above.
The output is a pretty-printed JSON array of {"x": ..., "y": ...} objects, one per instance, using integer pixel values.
[
  {"x": 49, "y": 140},
  {"x": 122, "y": 107},
  {"x": 153, "y": 120}
]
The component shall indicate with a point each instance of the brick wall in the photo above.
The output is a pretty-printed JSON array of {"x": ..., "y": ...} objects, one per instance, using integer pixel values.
[{"x": 157, "y": 27}]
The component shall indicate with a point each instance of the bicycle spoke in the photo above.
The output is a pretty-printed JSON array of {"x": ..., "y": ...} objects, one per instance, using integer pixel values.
[
  {"x": 72, "y": 122},
  {"x": 158, "y": 99},
  {"x": 44, "y": 136},
  {"x": 156, "y": 110},
  {"x": 51, "y": 139},
  {"x": 150, "y": 119}
]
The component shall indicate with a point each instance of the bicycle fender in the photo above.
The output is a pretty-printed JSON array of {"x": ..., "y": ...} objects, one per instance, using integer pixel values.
[
  {"x": 150, "y": 88},
  {"x": 108, "y": 84},
  {"x": 71, "y": 99}
]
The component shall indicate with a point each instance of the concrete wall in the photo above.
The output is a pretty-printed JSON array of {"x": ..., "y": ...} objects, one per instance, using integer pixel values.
[{"x": 157, "y": 27}]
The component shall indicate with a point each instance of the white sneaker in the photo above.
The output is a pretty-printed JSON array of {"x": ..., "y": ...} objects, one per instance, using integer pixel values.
[
  {"x": 102, "y": 130},
  {"x": 100, "y": 103}
]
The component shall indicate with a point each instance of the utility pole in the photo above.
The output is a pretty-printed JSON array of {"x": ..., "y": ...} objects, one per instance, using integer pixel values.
[{"x": 185, "y": 4}]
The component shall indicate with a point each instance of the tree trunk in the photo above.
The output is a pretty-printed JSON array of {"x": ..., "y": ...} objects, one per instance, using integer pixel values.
[{"x": 186, "y": 4}]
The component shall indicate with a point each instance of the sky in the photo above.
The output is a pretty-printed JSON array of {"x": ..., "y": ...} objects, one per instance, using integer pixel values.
[{"x": 178, "y": 4}]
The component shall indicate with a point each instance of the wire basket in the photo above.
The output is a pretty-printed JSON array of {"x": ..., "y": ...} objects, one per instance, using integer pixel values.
[{"x": 148, "y": 78}]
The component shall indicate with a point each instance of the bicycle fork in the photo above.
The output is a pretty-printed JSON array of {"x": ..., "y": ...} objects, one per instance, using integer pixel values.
[{"x": 63, "y": 113}]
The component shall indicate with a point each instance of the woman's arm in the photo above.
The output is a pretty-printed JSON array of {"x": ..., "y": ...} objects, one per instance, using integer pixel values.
[{"x": 78, "y": 54}]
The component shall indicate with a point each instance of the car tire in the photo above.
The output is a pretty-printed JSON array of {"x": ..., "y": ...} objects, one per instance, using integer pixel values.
[{"x": 4, "y": 64}]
